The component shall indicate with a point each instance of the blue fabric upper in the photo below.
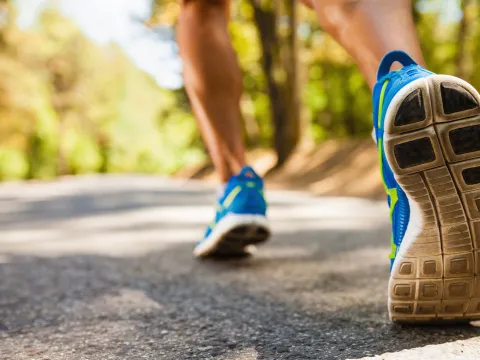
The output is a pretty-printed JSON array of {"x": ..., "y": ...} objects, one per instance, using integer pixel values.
[
  {"x": 243, "y": 194},
  {"x": 396, "y": 80}
]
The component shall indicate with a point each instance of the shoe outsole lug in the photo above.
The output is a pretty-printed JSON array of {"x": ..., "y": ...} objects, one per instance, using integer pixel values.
[
  {"x": 456, "y": 99},
  {"x": 412, "y": 109},
  {"x": 414, "y": 153},
  {"x": 471, "y": 176},
  {"x": 465, "y": 140},
  {"x": 466, "y": 174},
  {"x": 436, "y": 160},
  {"x": 459, "y": 111}
]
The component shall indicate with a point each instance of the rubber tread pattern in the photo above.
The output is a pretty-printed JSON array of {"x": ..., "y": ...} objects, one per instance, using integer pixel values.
[
  {"x": 471, "y": 176},
  {"x": 412, "y": 109},
  {"x": 415, "y": 152},
  {"x": 465, "y": 140},
  {"x": 456, "y": 99}
]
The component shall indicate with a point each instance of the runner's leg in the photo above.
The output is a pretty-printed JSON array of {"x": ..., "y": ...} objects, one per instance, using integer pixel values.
[
  {"x": 213, "y": 81},
  {"x": 368, "y": 29}
]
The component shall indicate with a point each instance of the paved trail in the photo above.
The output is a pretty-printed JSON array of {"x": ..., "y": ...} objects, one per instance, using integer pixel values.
[{"x": 101, "y": 268}]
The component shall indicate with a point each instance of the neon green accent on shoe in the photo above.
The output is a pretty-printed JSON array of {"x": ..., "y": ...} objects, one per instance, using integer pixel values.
[
  {"x": 212, "y": 224},
  {"x": 233, "y": 194},
  {"x": 250, "y": 184},
  {"x": 393, "y": 254},
  {"x": 380, "y": 105},
  {"x": 393, "y": 200},
  {"x": 392, "y": 193},
  {"x": 380, "y": 161}
]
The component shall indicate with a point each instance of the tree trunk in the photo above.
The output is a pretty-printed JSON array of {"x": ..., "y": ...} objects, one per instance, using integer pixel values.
[
  {"x": 463, "y": 29},
  {"x": 61, "y": 107},
  {"x": 62, "y": 163},
  {"x": 279, "y": 67},
  {"x": 350, "y": 124},
  {"x": 5, "y": 22},
  {"x": 289, "y": 132},
  {"x": 103, "y": 143}
]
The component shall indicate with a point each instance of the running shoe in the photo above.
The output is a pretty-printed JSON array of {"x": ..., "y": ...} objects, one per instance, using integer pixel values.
[
  {"x": 427, "y": 129},
  {"x": 240, "y": 220}
]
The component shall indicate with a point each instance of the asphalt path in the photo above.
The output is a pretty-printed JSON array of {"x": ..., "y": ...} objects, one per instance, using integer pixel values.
[{"x": 101, "y": 268}]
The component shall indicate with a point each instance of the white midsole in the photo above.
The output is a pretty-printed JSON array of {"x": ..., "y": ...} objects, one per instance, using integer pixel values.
[{"x": 226, "y": 224}]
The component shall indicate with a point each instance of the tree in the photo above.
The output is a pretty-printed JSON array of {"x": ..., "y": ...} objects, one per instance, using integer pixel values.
[
  {"x": 464, "y": 28},
  {"x": 20, "y": 99},
  {"x": 279, "y": 63},
  {"x": 6, "y": 18}
]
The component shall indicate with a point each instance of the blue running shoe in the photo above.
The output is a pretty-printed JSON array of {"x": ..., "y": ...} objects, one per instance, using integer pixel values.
[
  {"x": 427, "y": 130},
  {"x": 240, "y": 220}
]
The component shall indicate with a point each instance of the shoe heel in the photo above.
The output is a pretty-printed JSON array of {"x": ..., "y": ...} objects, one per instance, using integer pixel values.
[
  {"x": 432, "y": 144},
  {"x": 249, "y": 201}
]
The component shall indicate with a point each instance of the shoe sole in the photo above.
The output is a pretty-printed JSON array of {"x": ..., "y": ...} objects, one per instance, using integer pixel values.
[
  {"x": 233, "y": 235},
  {"x": 432, "y": 143}
]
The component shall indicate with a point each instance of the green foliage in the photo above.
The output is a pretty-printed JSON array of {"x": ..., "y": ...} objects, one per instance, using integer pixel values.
[
  {"x": 68, "y": 106},
  {"x": 13, "y": 164}
]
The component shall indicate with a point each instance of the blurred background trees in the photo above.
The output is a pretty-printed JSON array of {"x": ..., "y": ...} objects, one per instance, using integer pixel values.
[{"x": 69, "y": 105}]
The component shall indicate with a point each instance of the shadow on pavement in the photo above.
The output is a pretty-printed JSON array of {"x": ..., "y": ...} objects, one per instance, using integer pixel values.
[
  {"x": 316, "y": 293},
  {"x": 172, "y": 307}
]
